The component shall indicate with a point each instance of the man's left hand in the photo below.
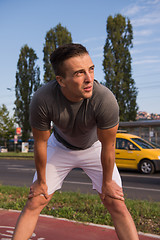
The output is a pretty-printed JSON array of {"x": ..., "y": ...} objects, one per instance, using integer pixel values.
[{"x": 113, "y": 190}]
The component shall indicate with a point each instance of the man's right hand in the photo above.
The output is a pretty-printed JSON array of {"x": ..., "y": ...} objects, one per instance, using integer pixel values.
[{"x": 38, "y": 189}]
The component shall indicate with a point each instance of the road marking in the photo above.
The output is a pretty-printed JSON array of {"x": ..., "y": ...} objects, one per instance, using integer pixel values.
[
  {"x": 134, "y": 175},
  {"x": 136, "y": 188},
  {"x": 144, "y": 189},
  {"x": 139, "y": 176},
  {"x": 5, "y": 234},
  {"x": 21, "y": 169},
  {"x": 18, "y": 166},
  {"x": 83, "y": 183},
  {"x": 6, "y": 226}
]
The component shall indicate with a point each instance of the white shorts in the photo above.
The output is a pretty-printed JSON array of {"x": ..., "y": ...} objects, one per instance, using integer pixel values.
[{"x": 61, "y": 160}]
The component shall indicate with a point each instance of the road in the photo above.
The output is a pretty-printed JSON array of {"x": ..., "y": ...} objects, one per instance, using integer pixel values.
[{"x": 136, "y": 186}]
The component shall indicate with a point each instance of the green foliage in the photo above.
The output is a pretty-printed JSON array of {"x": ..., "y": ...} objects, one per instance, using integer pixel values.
[
  {"x": 27, "y": 82},
  {"x": 55, "y": 37},
  {"x": 85, "y": 208},
  {"x": 7, "y": 128},
  {"x": 17, "y": 155},
  {"x": 117, "y": 65}
]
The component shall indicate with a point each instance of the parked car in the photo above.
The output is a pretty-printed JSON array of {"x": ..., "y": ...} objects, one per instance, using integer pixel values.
[
  {"x": 133, "y": 152},
  {"x": 3, "y": 149}
]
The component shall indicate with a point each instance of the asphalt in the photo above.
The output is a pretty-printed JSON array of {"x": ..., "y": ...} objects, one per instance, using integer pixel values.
[{"x": 50, "y": 228}]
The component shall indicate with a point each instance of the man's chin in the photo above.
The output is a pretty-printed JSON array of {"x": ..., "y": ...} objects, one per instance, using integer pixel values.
[{"x": 88, "y": 95}]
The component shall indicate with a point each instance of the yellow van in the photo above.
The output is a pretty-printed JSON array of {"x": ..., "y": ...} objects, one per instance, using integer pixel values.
[{"x": 133, "y": 152}]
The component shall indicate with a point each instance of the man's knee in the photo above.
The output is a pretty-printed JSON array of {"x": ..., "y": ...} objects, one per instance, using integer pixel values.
[
  {"x": 37, "y": 203},
  {"x": 114, "y": 206}
]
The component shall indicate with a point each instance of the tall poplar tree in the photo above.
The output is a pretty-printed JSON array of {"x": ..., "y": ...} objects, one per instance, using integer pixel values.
[
  {"x": 117, "y": 65},
  {"x": 27, "y": 82},
  {"x": 7, "y": 128},
  {"x": 55, "y": 37}
]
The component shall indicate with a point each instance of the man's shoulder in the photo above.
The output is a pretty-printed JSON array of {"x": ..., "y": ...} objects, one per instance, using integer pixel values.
[
  {"x": 100, "y": 91},
  {"x": 46, "y": 92},
  {"x": 48, "y": 87},
  {"x": 45, "y": 95},
  {"x": 102, "y": 98},
  {"x": 105, "y": 106}
]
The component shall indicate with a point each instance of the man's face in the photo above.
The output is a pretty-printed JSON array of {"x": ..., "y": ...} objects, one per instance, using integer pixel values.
[{"x": 79, "y": 76}]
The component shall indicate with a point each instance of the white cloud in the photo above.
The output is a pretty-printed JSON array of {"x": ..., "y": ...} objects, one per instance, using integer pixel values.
[
  {"x": 146, "y": 20},
  {"x": 132, "y": 9},
  {"x": 144, "y": 41},
  {"x": 93, "y": 39},
  {"x": 135, "y": 51},
  {"x": 143, "y": 13},
  {"x": 143, "y": 33},
  {"x": 146, "y": 49},
  {"x": 152, "y": 2},
  {"x": 146, "y": 61}
]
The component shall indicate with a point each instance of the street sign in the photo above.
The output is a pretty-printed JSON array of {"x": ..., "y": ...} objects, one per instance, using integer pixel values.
[
  {"x": 25, "y": 147},
  {"x": 18, "y": 130}
]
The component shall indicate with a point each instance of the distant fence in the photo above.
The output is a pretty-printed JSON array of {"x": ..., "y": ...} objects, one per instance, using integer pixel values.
[{"x": 18, "y": 146}]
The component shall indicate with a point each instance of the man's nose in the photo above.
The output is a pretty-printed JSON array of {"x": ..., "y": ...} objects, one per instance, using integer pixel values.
[{"x": 88, "y": 77}]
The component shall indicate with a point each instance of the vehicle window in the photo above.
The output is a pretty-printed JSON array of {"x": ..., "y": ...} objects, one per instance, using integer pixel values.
[
  {"x": 142, "y": 143},
  {"x": 155, "y": 145},
  {"x": 125, "y": 144}
]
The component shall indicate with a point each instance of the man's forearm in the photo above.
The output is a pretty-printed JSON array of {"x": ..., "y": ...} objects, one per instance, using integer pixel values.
[
  {"x": 40, "y": 155},
  {"x": 107, "y": 138},
  {"x": 108, "y": 160}
]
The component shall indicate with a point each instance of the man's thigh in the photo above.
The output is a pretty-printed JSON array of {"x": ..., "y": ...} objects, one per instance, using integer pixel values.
[
  {"x": 59, "y": 163},
  {"x": 93, "y": 167}
]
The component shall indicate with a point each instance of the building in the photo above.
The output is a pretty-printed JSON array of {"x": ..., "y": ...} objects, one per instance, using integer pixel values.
[
  {"x": 147, "y": 129},
  {"x": 147, "y": 116}
]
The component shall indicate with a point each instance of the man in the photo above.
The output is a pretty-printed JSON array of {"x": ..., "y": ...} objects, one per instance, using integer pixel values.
[{"x": 85, "y": 121}]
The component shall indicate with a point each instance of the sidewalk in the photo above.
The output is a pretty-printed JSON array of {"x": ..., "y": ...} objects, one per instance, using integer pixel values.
[{"x": 50, "y": 228}]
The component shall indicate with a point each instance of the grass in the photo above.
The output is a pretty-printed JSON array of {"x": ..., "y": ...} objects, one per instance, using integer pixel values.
[
  {"x": 16, "y": 155},
  {"x": 85, "y": 208}
]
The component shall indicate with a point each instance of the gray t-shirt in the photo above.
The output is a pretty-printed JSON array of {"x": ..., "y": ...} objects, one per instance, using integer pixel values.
[{"x": 76, "y": 122}]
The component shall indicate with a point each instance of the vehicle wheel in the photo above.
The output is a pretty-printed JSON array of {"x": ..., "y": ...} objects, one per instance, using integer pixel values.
[{"x": 146, "y": 166}]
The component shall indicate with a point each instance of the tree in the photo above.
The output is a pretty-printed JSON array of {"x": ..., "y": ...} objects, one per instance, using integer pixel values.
[
  {"x": 55, "y": 37},
  {"x": 7, "y": 129},
  {"x": 117, "y": 65},
  {"x": 27, "y": 82}
]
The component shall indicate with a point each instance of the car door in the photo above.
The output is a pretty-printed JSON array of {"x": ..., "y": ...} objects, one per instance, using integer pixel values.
[{"x": 126, "y": 153}]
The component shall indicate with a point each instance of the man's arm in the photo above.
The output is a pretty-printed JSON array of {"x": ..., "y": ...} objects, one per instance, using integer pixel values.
[
  {"x": 107, "y": 138},
  {"x": 40, "y": 156}
]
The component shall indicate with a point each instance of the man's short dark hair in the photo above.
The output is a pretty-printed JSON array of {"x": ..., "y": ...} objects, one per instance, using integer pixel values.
[{"x": 63, "y": 53}]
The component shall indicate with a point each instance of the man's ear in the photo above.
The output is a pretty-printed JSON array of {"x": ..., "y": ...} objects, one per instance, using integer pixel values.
[{"x": 60, "y": 80}]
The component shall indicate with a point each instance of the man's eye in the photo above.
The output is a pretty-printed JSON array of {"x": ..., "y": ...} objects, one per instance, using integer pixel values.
[
  {"x": 92, "y": 69},
  {"x": 78, "y": 74}
]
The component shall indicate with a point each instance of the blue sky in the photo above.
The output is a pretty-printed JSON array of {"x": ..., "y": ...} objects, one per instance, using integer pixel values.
[{"x": 26, "y": 22}]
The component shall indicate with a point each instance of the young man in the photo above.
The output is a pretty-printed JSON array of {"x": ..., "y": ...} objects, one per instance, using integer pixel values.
[{"x": 85, "y": 118}]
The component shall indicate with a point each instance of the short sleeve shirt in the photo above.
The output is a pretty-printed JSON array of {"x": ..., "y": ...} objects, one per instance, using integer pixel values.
[{"x": 76, "y": 123}]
